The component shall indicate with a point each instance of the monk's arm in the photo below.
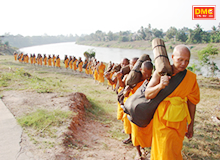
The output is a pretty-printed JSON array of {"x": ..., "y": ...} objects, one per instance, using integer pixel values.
[
  {"x": 110, "y": 80},
  {"x": 192, "y": 110},
  {"x": 153, "y": 87},
  {"x": 120, "y": 81}
]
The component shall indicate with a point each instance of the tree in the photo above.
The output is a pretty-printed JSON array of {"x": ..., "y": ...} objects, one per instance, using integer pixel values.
[
  {"x": 206, "y": 57},
  {"x": 171, "y": 32},
  {"x": 181, "y": 36},
  {"x": 89, "y": 53},
  {"x": 157, "y": 33}
]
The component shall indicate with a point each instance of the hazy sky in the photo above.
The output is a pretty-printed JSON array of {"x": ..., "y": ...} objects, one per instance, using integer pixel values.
[{"x": 55, "y": 17}]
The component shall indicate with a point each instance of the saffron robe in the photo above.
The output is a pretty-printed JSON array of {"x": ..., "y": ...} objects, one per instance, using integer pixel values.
[
  {"x": 101, "y": 70},
  {"x": 170, "y": 120},
  {"x": 141, "y": 136},
  {"x": 49, "y": 61},
  {"x": 66, "y": 63}
]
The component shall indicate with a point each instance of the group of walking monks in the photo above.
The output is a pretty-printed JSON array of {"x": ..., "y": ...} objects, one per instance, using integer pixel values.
[
  {"x": 91, "y": 66},
  {"x": 174, "y": 116}
]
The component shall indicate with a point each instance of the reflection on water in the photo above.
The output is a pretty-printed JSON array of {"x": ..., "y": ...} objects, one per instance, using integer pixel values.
[{"x": 102, "y": 54}]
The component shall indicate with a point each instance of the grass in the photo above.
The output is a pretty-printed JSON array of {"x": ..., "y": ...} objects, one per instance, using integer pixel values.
[
  {"x": 42, "y": 118},
  {"x": 204, "y": 145}
]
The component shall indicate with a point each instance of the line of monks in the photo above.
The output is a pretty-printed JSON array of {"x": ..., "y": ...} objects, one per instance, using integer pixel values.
[
  {"x": 140, "y": 137},
  {"x": 92, "y": 67}
]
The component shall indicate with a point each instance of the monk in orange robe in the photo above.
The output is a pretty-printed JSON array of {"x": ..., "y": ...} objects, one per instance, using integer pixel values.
[
  {"x": 49, "y": 61},
  {"x": 58, "y": 62},
  {"x": 31, "y": 59},
  {"x": 41, "y": 60},
  {"x": 66, "y": 61},
  {"x": 142, "y": 137},
  {"x": 101, "y": 70},
  {"x": 80, "y": 64},
  {"x": 34, "y": 59},
  {"x": 45, "y": 60},
  {"x": 75, "y": 63},
  {"x": 71, "y": 63},
  {"x": 95, "y": 75},
  {"x": 54, "y": 60},
  {"x": 15, "y": 56},
  {"x": 174, "y": 117}
]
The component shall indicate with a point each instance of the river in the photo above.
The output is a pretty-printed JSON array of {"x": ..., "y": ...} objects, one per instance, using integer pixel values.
[{"x": 102, "y": 53}]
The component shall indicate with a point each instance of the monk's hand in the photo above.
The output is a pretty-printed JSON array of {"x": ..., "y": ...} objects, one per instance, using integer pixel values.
[
  {"x": 164, "y": 81},
  {"x": 189, "y": 133}
]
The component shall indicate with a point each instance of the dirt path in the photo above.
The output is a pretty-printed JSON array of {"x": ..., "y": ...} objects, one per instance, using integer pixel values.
[{"x": 92, "y": 139}]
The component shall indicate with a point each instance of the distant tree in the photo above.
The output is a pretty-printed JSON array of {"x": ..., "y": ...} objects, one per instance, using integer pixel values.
[
  {"x": 142, "y": 33},
  {"x": 110, "y": 36},
  {"x": 181, "y": 36},
  {"x": 171, "y": 32},
  {"x": 89, "y": 53},
  {"x": 149, "y": 26},
  {"x": 207, "y": 56},
  {"x": 157, "y": 33}
]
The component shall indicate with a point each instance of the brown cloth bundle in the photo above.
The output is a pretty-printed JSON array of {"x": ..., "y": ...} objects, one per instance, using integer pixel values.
[
  {"x": 134, "y": 77},
  {"x": 161, "y": 59}
]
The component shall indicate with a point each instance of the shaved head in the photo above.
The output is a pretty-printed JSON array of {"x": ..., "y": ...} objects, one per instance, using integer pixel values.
[
  {"x": 147, "y": 65},
  {"x": 180, "y": 57},
  {"x": 181, "y": 49}
]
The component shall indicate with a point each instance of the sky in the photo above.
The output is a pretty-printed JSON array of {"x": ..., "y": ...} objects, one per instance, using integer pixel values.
[{"x": 56, "y": 17}]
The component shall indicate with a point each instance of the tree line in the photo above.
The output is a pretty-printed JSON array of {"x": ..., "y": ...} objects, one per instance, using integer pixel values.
[
  {"x": 186, "y": 35},
  {"x": 191, "y": 36},
  {"x": 20, "y": 41}
]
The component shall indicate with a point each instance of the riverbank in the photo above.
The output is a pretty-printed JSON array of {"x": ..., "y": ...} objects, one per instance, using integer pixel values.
[
  {"x": 145, "y": 45},
  {"x": 26, "y": 89}
]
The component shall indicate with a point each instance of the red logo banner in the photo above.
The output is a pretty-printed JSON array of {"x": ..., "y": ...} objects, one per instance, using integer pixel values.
[{"x": 204, "y": 12}]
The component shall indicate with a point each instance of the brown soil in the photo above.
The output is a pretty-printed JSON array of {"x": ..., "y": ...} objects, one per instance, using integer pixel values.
[{"x": 79, "y": 138}]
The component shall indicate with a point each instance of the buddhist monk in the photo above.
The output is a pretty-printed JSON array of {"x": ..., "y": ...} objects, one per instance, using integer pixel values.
[
  {"x": 85, "y": 66},
  {"x": 75, "y": 63},
  {"x": 95, "y": 68},
  {"x": 58, "y": 62},
  {"x": 49, "y": 61},
  {"x": 45, "y": 59},
  {"x": 66, "y": 61},
  {"x": 80, "y": 64},
  {"x": 54, "y": 60},
  {"x": 142, "y": 137},
  {"x": 101, "y": 70},
  {"x": 126, "y": 122},
  {"x": 15, "y": 56},
  {"x": 41, "y": 60},
  {"x": 174, "y": 117},
  {"x": 34, "y": 59},
  {"x": 71, "y": 63}
]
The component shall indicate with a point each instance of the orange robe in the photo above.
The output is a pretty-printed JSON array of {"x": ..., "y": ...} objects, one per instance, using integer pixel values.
[
  {"x": 141, "y": 136},
  {"x": 101, "y": 70},
  {"x": 45, "y": 61},
  {"x": 34, "y": 60},
  {"x": 120, "y": 111},
  {"x": 54, "y": 58},
  {"x": 168, "y": 129},
  {"x": 40, "y": 61},
  {"x": 90, "y": 70},
  {"x": 27, "y": 59},
  {"x": 66, "y": 63},
  {"x": 80, "y": 66},
  {"x": 74, "y": 65},
  {"x": 58, "y": 62},
  {"x": 50, "y": 62},
  {"x": 95, "y": 75},
  {"x": 15, "y": 56},
  {"x": 71, "y": 64}
]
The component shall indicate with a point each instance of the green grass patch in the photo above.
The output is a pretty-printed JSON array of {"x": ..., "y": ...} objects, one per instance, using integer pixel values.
[{"x": 42, "y": 118}]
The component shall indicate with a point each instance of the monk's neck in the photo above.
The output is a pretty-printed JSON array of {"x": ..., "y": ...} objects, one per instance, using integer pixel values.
[{"x": 174, "y": 70}]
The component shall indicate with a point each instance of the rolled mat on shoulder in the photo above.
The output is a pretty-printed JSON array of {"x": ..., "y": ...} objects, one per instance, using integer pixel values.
[
  {"x": 161, "y": 59},
  {"x": 125, "y": 70},
  {"x": 134, "y": 77},
  {"x": 116, "y": 67}
]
